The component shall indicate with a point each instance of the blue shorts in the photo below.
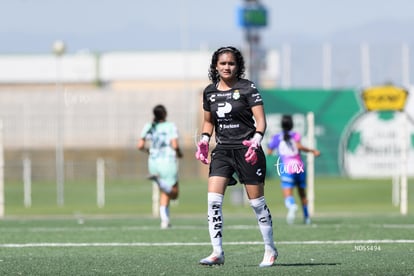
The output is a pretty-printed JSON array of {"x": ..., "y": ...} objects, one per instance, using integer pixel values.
[{"x": 291, "y": 180}]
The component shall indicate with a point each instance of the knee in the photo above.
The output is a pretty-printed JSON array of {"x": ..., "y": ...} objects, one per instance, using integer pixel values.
[{"x": 173, "y": 195}]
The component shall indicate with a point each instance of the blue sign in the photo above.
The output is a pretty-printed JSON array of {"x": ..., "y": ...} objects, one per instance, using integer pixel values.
[{"x": 252, "y": 16}]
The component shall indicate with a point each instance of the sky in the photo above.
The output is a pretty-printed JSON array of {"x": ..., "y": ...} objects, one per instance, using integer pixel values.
[{"x": 31, "y": 26}]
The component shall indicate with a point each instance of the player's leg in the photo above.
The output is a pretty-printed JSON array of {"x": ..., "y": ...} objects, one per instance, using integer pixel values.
[
  {"x": 255, "y": 193},
  {"x": 165, "y": 205},
  {"x": 220, "y": 174},
  {"x": 165, "y": 173},
  {"x": 287, "y": 183},
  {"x": 304, "y": 200},
  {"x": 253, "y": 176},
  {"x": 174, "y": 192},
  {"x": 156, "y": 169},
  {"x": 301, "y": 178},
  {"x": 164, "y": 187},
  {"x": 167, "y": 180},
  {"x": 164, "y": 210},
  {"x": 216, "y": 190}
]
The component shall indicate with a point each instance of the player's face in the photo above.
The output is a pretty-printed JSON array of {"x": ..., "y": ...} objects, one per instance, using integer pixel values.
[{"x": 226, "y": 66}]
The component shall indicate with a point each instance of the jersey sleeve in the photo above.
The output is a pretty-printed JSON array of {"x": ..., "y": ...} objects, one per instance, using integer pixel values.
[
  {"x": 145, "y": 131},
  {"x": 206, "y": 104},
  {"x": 296, "y": 137},
  {"x": 253, "y": 96},
  {"x": 273, "y": 142},
  {"x": 173, "y": 131}
]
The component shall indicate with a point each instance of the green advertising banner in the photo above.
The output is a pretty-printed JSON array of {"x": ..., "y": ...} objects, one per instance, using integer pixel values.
[
  {"x": 332, "y": 109},
  {"x": 379, "y": 141},
  {"x": 367, "y": 133}
]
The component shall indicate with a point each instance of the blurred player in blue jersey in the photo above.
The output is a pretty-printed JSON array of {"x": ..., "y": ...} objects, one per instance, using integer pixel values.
[
  {"x": 233, "y": 109},
  {"x": 291, "y": 167},
  {"x": 162, "y": 161}
]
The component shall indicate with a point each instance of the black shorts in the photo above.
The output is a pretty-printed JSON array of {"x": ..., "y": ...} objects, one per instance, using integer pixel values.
[{"x": 226, "y": 162}]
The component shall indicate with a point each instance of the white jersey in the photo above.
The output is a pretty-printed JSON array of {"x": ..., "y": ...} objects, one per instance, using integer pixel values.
[{"x": 160, "y": 136}]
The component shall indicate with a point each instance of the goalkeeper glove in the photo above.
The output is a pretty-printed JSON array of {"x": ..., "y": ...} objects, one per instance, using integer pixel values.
[
  {"x": 202, "y": 148},
  {"x": 253, "y": 144}
]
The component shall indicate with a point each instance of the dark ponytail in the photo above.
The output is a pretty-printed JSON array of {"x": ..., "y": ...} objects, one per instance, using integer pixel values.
[
  {"x": 160, "y": 113},
  {"x": 287, "y": 126}
]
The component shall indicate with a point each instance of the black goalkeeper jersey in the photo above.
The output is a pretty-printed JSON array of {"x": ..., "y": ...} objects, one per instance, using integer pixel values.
[{"x": 231, "y": 112}]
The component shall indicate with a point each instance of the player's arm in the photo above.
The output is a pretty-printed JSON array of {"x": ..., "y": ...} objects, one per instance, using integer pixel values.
[
  {"x": 176, "y": 147},
  {"x": 207, "y": 126},
  {"x": 255, "y": 142},
  {"x": 260, "y": 118},
  {"x": 305, "y": 149},
  {"x": 141, "y": 145},
  {"x": 206, "y": 132}
]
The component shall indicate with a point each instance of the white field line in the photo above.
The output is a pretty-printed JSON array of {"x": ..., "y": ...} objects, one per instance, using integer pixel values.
[
  {"x": 144, "y": 244},
  {"x": 86, "y": 228},
  {"x": 111, "y": 228}
]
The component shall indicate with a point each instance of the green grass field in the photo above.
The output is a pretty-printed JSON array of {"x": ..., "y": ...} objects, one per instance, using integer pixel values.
[
  {"x": 333, "y": 195},
  {"x": 356, "y": 231},
  {"x": 375, "y": 245}
]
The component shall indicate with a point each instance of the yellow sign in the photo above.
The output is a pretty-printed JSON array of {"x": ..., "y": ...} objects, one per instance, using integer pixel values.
[{"x": 386, "y": 97}]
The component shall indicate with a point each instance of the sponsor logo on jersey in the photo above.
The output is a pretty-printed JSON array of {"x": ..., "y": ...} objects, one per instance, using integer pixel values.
[
  {"x": 212, "y": 98},
  {"x": 226, "y": 95},
  {"x": 223, "y": 109},
  {"x": 230, "y": 126}
]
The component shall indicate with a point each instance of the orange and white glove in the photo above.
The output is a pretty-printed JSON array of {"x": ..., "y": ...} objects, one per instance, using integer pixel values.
[{"x": 253, "y": 144}]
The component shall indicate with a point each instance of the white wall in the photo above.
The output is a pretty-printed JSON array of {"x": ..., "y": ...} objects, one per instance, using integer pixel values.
[
  {"x": 47, "y": 68},
  {"x": 91, "y": 118},
  {"x": 115, "y": 66}
]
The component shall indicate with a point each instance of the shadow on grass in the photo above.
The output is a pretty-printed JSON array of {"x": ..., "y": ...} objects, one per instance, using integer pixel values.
[{"x": 305, "y": 264}]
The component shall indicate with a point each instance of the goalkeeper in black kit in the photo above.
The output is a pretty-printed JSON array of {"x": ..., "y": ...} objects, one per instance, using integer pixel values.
[{"x": 233, "y": 110}]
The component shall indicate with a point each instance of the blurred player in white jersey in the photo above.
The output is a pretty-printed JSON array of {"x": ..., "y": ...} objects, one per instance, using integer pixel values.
[{"x": 163, "y": 152}]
